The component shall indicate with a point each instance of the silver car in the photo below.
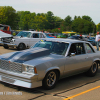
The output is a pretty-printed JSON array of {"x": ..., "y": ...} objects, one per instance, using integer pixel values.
[{"x": 48, "y": 61}]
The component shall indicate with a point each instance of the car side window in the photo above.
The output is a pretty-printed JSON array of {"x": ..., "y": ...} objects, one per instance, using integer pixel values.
[
  {"x": 80, "y": 48},
  {"x": 89, "y": 48},
  {"x": 80, "y": 37},
  {"x": 35, "y": 35},
  {"x": 77, "y": 48},
  {"x": 41, "y": 35}
]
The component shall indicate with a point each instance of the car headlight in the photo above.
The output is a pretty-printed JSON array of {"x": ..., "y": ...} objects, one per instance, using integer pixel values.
[
  {"x": 30, "y": 69},
  {"x": 12, "y": 41}
]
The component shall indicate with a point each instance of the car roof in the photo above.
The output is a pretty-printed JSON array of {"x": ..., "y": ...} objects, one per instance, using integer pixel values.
[
  {"x": 32, "y": 31},
  {"x": 63, "y": 40}
]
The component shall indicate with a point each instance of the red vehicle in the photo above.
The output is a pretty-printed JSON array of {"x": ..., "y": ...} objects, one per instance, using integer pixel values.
[
  {"x": 51, "y": 35},
  {"x": 5, "y": 28}
]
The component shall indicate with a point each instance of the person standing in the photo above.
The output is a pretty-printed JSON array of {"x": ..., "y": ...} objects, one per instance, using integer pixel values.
[{"x": 97, "y": 39}]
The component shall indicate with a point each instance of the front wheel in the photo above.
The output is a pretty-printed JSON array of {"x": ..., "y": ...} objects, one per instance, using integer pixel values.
[
  {"x": 5, "y": 46},
  {"x": 50, "y": 79},
  {"x": 21, "y": 46},
  {"x": 93, "y": 70}
]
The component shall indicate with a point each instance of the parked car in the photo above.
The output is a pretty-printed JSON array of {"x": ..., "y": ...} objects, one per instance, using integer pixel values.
[
  {"x": 61, "y": 35},
  {"x": 5, "y": 28},
  {"x": 48, "y": 35},
  {"x": 51, "y": 35},
  {"x": 77, "y": 37},
  {"x": 92, "y": 41},
  {"x": 4, "y": 36},
  {"x": 24, "y": 39},
  {"x": 48, "y": 61}
]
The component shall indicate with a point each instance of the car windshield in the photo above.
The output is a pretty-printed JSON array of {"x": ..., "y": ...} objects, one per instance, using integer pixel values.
[
  {"x": 1, "y": 27},
  {"x": 24, "y": 34},
  {"x": 54, "y": 47}
]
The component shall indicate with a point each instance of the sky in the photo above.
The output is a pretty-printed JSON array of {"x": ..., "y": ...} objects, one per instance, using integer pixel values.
[{"x": 60, "y": 8}]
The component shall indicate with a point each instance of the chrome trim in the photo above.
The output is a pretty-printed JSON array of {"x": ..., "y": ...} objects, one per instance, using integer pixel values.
[
  {"x": 21, "y": 83},
  {"x": 11, "y": 66},
  {"x": 10, "y": 45}
]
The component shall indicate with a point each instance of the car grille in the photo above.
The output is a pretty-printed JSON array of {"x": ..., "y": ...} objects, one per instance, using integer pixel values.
[
  {"x": 7, "y": 40},
  {"x": 11, "y": 66}
]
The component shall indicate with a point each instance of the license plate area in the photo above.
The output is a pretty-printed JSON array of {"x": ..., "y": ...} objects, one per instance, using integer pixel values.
[{"x": 8, "y": 80}]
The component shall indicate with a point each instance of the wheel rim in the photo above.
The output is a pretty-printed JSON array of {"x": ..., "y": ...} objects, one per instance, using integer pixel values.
[
  {"x": 51, "y": 79},
  {"x": 21, "y": 46},
  {"x": 94, "y": 67}
]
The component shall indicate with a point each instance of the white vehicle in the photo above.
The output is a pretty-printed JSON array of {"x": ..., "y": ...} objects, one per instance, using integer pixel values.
[
  {"x": 4, "y": 36},
  {"x": 25, "y": 39}
]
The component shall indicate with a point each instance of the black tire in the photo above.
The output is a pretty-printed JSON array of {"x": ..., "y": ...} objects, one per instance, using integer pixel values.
[
  {"x": 21, "y": 46},
  {"x": 50, "y": 80},
  {"x": 93, "y": 70},
  {"x": 5, "y": 46}
]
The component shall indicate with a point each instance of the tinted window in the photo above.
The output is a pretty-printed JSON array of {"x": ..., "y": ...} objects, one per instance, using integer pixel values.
[
  {"x": 35, "y": 35},
  {"x": 41, "y": 35},
  {"x": 77, "y": 48},
  {"x": 54, "y": 47}
]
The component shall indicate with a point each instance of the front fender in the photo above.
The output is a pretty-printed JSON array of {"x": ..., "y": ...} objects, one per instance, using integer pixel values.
[{"x": 52, "y": 68}]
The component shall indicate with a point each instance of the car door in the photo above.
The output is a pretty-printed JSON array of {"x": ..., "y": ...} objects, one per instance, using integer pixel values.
[
  {"x": 78, "y": 63},
  {"x": 91, "y": 53},
  {"x": 34, "y": 38}
]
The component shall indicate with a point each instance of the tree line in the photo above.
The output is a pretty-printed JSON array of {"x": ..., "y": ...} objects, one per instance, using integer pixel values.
[{"x": 25, "y": 20}]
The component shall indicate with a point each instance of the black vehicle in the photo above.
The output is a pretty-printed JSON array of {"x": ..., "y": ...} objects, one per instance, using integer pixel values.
[
  {"x": 77, "y": 37},
  {"x": 92, "y": 41}
]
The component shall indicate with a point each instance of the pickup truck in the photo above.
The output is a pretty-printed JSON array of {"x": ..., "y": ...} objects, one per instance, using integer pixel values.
[
  {"x": 48, "y": 61},
  {"x": 5, "y": 28},
  {"x": 5, "y": 33},
  {"x": 24, "y": 39}
]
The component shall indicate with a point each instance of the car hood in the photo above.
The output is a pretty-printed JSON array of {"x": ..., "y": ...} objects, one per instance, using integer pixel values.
[
  {"x": 26, "y": 55},
  {"x": 17, "y": 37},
  {"x": 2, "y": 34}
]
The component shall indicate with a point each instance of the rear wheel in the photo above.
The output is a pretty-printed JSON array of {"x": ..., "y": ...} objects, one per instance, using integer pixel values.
[
  {"x": 21, "y": 46},
  {"x": 50, "y": 79},
  {"x": 93, "y": 70}
]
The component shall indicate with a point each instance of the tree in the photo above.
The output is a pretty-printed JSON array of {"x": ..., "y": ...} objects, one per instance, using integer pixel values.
[
  {"x": 51, "y": 21},
  {"x": 39, "y": 22},
  {"x": 67, "y": 23},
  {"x": 58, "y": 22},
  {"x": 75, "y": 17},
  {"x": 8, "y": 16},
  {"x": 82, "y": 26},
  {"x": 87, "y": 18},
  {"x": 98, "y": 27},
  {"x": 24, "y": 19}
]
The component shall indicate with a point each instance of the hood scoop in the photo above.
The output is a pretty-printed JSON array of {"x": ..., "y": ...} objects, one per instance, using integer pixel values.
[{"x": 33, "y": 54}]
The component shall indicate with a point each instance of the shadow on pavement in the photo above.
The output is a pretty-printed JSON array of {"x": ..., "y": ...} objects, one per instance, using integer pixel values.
[{"x": 63, "y": 85}]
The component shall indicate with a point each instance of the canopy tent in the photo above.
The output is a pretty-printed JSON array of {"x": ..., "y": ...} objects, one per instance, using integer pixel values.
[
  {"x": 66, "y": 32},
  {"x": 69, "y": 33}
]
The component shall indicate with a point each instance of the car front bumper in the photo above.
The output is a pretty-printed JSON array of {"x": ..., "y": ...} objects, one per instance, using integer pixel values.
[
  {"x": 1, "y": 43},
  {"x": 9, "y": 44},
  {"x": 20, "y": 79}
]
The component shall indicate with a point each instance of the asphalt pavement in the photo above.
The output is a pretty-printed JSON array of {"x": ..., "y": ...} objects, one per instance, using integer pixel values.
[{"x": 78, "y": 87}]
